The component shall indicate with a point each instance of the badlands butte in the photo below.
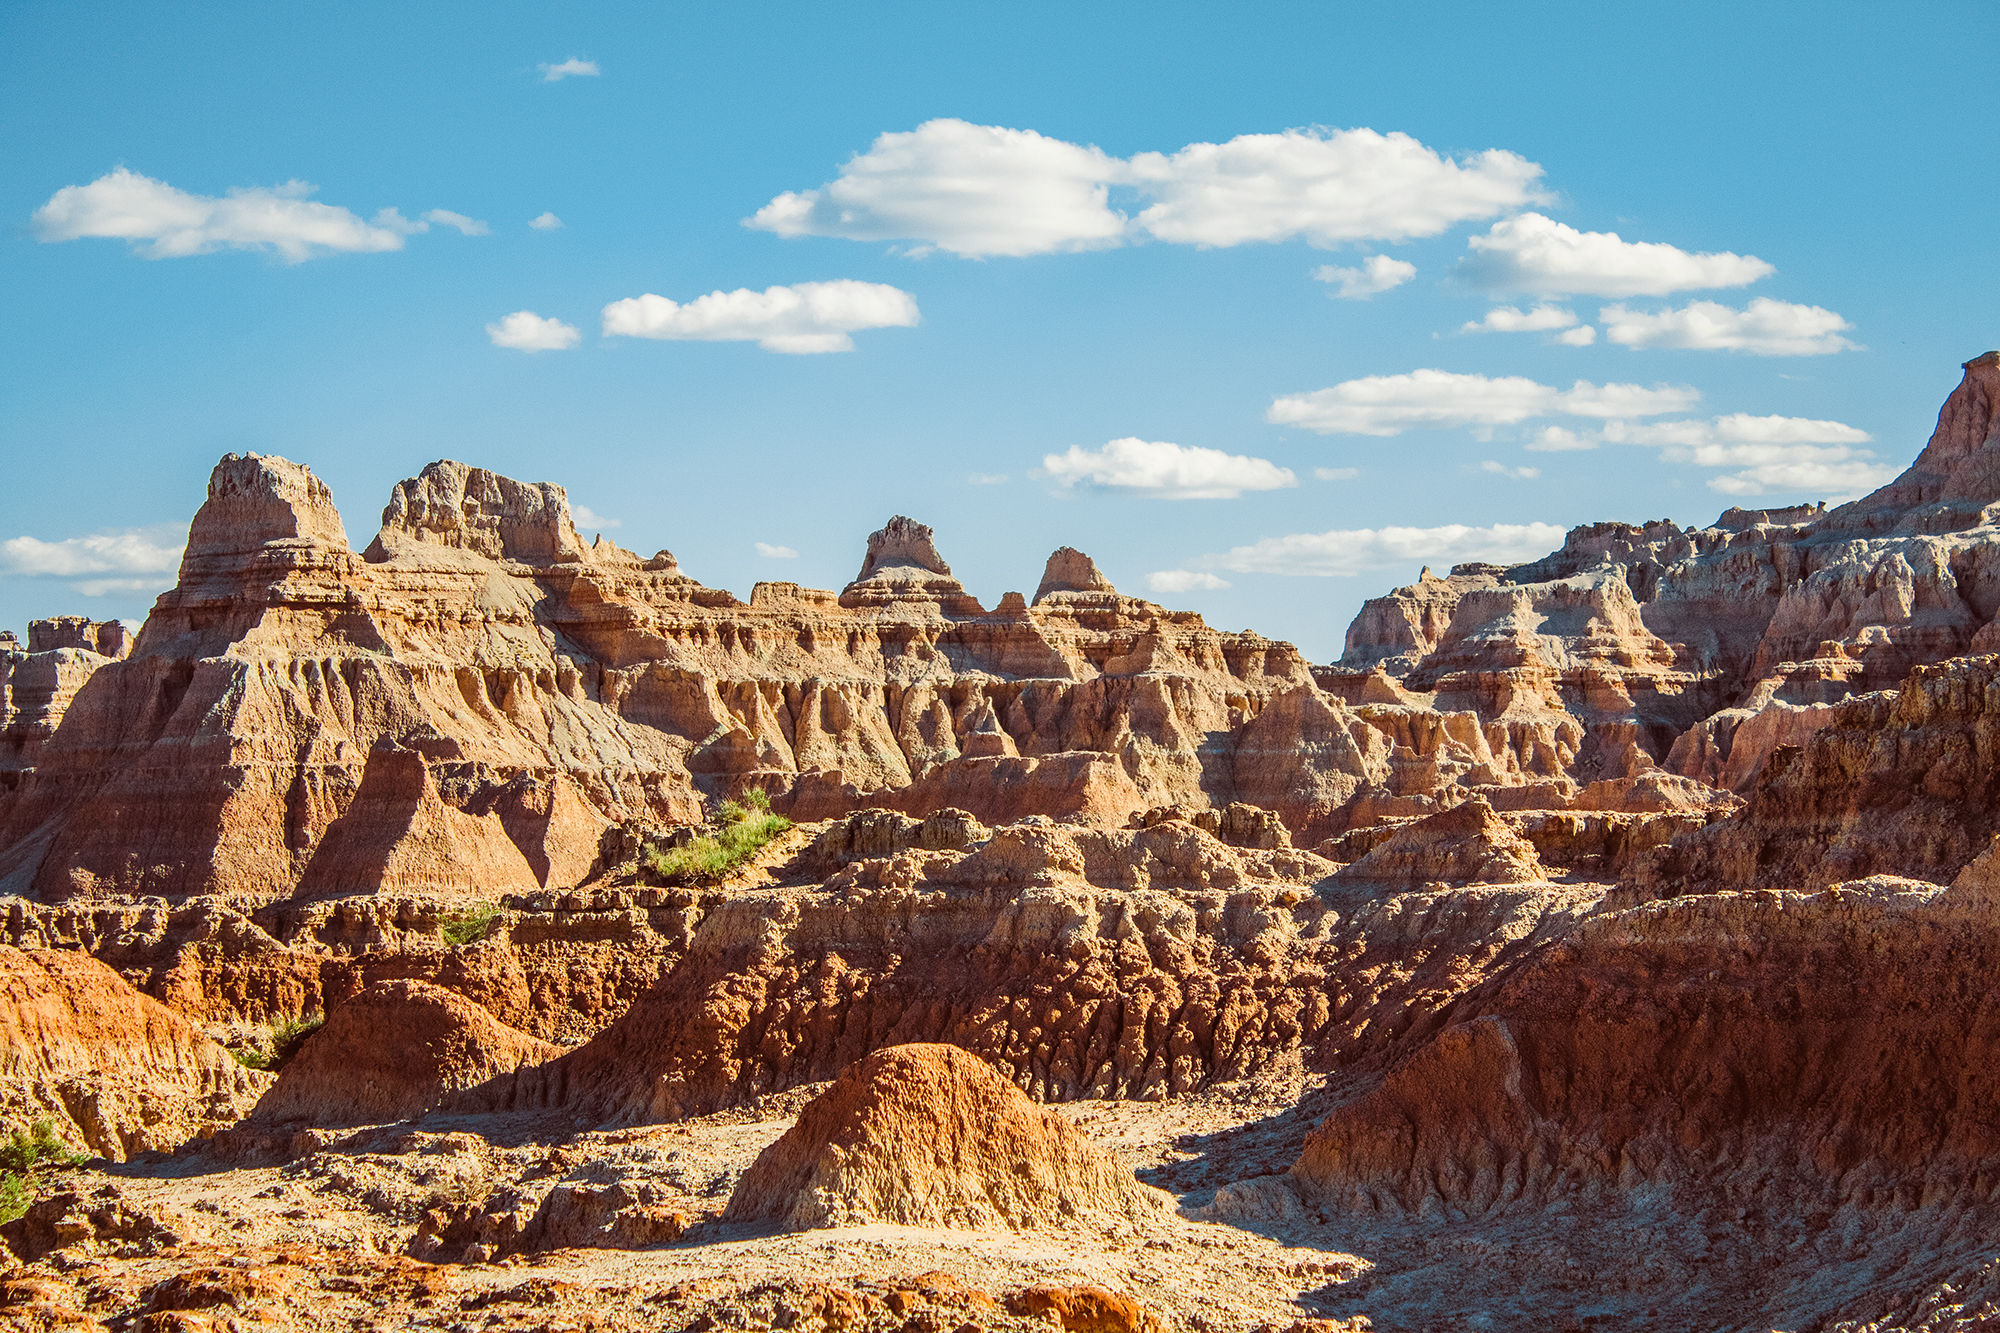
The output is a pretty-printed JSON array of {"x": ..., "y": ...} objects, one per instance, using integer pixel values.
[{"x": 1607, "y": 941}]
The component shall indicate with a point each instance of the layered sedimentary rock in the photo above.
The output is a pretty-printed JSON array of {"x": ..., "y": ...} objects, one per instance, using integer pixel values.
[
  {"x": 469, "y": 705},
  {"x": 1645, "y": 646},
  {"x": 113, "y": 1070},
  {"x": 930, "y": 1136}
]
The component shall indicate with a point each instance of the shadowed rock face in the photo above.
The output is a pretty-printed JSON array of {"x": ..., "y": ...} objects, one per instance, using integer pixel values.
[
  {"x": 929, "y": 1135},
  {"x": 393, "y": 1052}
]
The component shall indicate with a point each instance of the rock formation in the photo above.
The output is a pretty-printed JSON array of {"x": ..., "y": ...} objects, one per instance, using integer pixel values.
[
  {"x": 114, "y": 1070},
  {"x": 929, "y": 1135},
  {"x": 393, "y": 1052}
]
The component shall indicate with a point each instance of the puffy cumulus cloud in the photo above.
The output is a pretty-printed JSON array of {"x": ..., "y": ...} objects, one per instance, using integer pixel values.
[
  {"x": 974, "y": 190},
  {"x": 162, "y": 222},
  {"x": 1538, "y": 255},
  {"x": 1359, "y": 550},
  {"x": 1499, "y": 469},
  {"x": 1507, "y": 319},
  {"x": 526, "y": 331},
  {"x": 1329, "y": 186},
  {"x": 569, "y": 69},
  {"x": 1166, "y": 471},
  {"x": 546, "y": 222},
  {"x": 980, "y": 190},
  {"x": 1583, "y": 335},
  {"x": 1392, "y": 404},
  {"x": 1558, "y": 440},
  {"x": 1184, "y": 580},
  {"x": 1377, "y": 274},
  {"x": 585, "y": 517},
  {"x": 1763, "y": 328},
  {"x": 803, "y": 318},
  {"x": 466, "y": 226},
  {"x": 126, "y": 561},
  {"x": 770, "y": 552}
]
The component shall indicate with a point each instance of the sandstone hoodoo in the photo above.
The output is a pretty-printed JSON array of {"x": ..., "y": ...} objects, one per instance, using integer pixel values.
[
  {"x": 394, "y": 1051},
  {"x": 931, "y": 1136}
]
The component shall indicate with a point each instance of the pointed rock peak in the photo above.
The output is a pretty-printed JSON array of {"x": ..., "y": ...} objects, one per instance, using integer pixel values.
[
  {"x": 1070, "y": 570},
  {"x": 903, "y": 543},
  {"x": 254, "y": 499},
  {"x": 1956, "y": 476},
  {"x": 471, "y": 509}
]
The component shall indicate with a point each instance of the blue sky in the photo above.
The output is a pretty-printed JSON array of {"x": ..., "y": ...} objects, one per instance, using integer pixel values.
[{"x": 1803, "y": 255}]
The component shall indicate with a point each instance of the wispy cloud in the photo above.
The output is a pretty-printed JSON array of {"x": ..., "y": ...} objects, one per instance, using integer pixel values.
[
  {"x": 1768, "y": 455},
  {"x": 569, "y": 69},
  {"x": 546, "y": 222},
  {"x": 987, "y": 478},
  {"x": 1763, "y": 328},
  {"x": 585, "y": 517},
  {"x": 444, "y": 217},
  {"x": 1164, "y": 471},
  {"x": 1500, "y": 469},
  {"x": 1377, "y": 274},
  {"x": 125, "y": 561},
  {"x": 984, "y": 190},
  {"x": 1508, "y": 319},
  {"x": 1392, "y": 404},
  {"x": 1345, "y": 551},
  {"x": 1184, "y": 580},
  {"x": 804, "y": 318},
  {"x": 162, "y": 222},
  {"x": 1336, "y": 473},
  {"x": 770, "y": 552}
]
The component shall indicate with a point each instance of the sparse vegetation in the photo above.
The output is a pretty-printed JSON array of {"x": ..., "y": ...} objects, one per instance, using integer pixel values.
[
  {"x": 269, "y": 1047},
  {"x": 470, "y": 925},
  {"x": 24, "y": 1155},
  {"x": 741, "y": 831}
]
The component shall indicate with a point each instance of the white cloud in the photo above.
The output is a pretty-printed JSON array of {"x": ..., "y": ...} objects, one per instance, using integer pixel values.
[
  {"x": 1391, "y": 404},
  {"x": 584, "y": 517},
  {"x": 1378, "y": 273},
  {"x": 138, "y": 560},
  {"x": 1559, "y": 440},
  {"x": 1358, "y": 550},
  {"x": 1517, "y": 473},
  {"x": 546, "y": 222},
  {"x": 987, "y": 478},
  {"x": 1763, "y": 328},
  {"x": 803, "y": 318},
  {"x": 1507, "y": 319},
  {"x": 1770, "y": 454},
  {"x": 1336, "y": 473},
  {"x": 1534, "y": 254},
  {"x": 979, "y": 190},
  {"x": 1583, "y": 335},
  {"x": 770, "y": 552},
  {"x": 444, "y": 217},
  {"x": 1184, "y": 580},
  {"x": 1167, "y": 471},
  {"x": 173, "y": 224},
  {"x": 569, "y": 68},
  {"x": 526, "y": 331}
]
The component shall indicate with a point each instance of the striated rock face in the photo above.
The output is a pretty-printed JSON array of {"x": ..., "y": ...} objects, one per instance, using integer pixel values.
[
  {"x": 1070, "y": 570},
  {"x": 1902, "y": 783},
  {"x": 473, "y": 705},
  {"x": 1467, "y": 844},
  {"x": 394, "y": 1051},
  {"x": 113, "y": 1069},
  {"x": 928, "y": 1135}
]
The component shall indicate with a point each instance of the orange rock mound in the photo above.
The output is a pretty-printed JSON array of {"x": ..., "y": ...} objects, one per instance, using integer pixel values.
[
  {"x": 394, "y": 1051},
  {"x": 114, "y": 1069},
  {"x": 930, "y": 1135}
]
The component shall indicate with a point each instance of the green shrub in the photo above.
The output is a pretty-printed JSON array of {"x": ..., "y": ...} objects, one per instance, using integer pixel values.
[
  {"x": 288, "y": 1034},
  {"x": 269, "y": 1046},
  {"x": 469, "y": 925},
  {"x": 742, "y": 830},
  {"x": 24, "y": 1155}
]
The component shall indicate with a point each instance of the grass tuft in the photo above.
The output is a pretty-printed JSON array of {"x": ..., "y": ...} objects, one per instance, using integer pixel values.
[
  {"x": 24, "y": 1155},
  {"x": 742, "y": 830},
  {"x": 269, "y": 1047},
  {"x": 470, "y": 925}
]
